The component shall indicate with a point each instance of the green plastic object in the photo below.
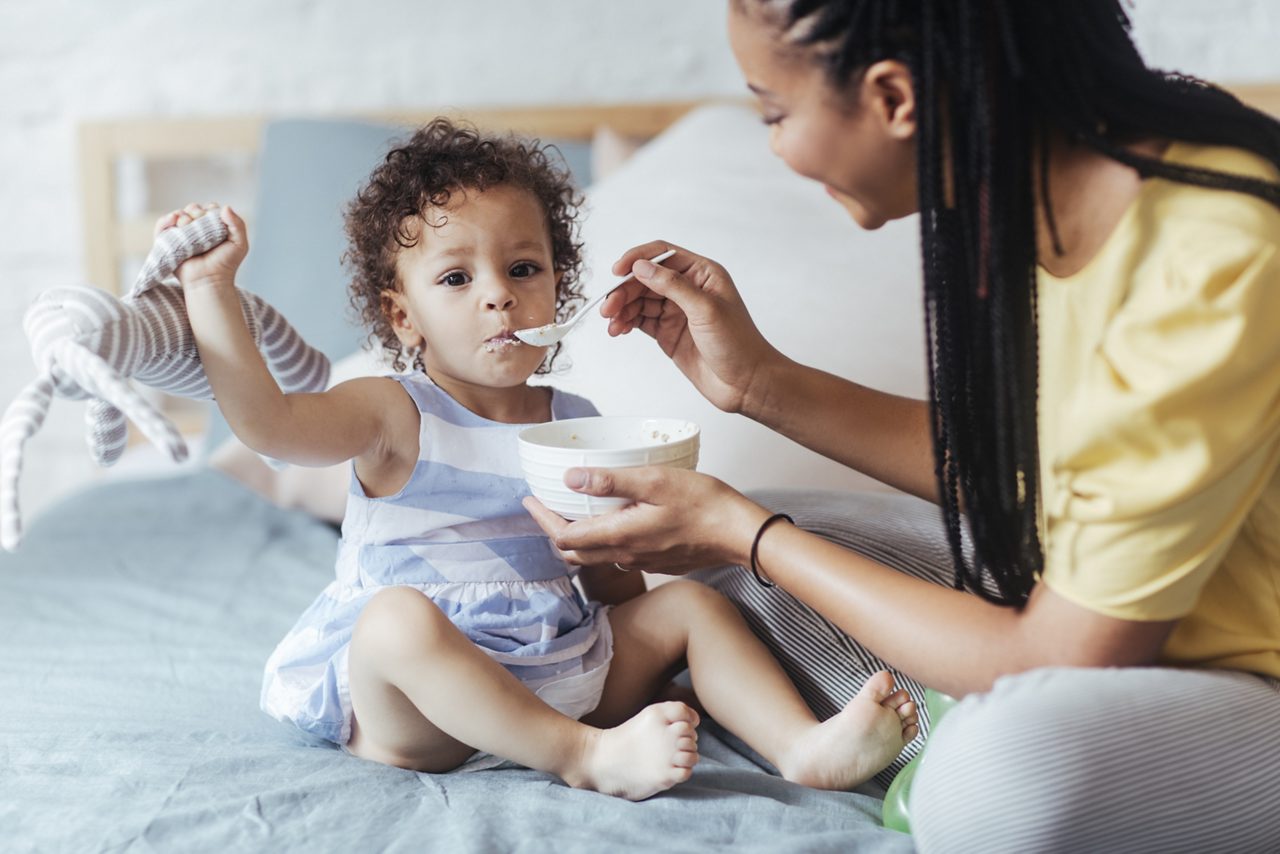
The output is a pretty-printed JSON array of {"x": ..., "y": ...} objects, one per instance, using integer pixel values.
[{"x": 896, "y": 816}]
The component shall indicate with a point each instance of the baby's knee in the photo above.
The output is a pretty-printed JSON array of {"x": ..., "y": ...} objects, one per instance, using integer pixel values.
[
  {"x": 698, "y": 600},
  {"x": 398, "y": 619}
]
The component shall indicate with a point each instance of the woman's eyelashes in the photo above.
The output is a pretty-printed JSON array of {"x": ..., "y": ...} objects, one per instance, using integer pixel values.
[{"x": 772, "y": 119}]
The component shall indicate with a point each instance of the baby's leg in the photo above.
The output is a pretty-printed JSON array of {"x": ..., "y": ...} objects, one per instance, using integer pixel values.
[
  {"x": 425, "y": 698},
  {"x": 742, "y": 686}
]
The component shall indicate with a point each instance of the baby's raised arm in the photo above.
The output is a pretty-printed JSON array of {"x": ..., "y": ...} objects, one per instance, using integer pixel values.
[{"x": 357, "y": 419}]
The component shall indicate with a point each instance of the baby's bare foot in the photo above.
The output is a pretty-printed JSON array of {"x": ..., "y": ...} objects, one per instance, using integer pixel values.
[
  {"x": 861, "y": 739},
  {"x": 648, "y": 754}
]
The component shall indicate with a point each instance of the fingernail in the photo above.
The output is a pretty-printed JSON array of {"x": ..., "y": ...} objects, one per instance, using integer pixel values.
[
  {"x": 644, "y": 267},
  {"x": 575, "y": 478}
]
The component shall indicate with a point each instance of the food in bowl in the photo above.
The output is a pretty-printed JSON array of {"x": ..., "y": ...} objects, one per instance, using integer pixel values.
[{"x": 548, "y": 450}]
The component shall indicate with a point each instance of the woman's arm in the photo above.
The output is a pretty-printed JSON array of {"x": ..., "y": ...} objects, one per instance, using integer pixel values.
[
  {"x": 879, "y": 434},
  {"x": 690, "y": 306},
  {"x": 949, "y": 640}
]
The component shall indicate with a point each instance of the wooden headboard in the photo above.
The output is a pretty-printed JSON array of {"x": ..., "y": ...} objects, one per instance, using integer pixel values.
[{"x": 111, "y": 238}]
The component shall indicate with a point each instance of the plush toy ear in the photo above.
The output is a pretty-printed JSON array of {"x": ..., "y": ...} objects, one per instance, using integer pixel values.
[
  {"x": 21, "y": 420},
  {"x": 103, "y": 382},
  {"x": 108, "y": 432}
]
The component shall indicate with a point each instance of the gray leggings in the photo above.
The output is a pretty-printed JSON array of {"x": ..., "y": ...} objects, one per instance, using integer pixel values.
[{"x": 1057, "y": 759}]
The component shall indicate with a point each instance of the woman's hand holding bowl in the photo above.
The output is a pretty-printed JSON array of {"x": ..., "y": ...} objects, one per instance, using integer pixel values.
[{"x": 680, "y": 521}]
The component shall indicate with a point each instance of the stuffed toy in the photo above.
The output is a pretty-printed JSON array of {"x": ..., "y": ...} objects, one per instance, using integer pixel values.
[{"x": 87, "y": 344}]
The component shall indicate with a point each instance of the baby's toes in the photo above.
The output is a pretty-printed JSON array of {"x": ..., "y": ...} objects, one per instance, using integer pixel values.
[
  {"x": 910, "y": 717},
  {"x": 896, "y": 699},
  {"x": 682, "y": 729},
  {"x": 683, "y": 760},
  {"x": 674, "y": 711},
  {"x": 878, "y": 686}
]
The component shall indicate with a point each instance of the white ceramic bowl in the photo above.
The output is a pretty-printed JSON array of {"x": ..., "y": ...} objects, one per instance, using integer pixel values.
[{"x": 606, "y": 441}]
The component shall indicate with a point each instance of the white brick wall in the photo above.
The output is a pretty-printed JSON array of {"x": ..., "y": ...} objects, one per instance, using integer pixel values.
[{"x": 62, "y": 61}]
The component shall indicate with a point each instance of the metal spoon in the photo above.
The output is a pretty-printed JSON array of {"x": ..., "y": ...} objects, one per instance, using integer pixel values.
[{"x": 545, "y": 336}]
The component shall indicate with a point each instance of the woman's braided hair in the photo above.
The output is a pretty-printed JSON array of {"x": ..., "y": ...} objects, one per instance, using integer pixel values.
[
  {"x": 1007, "y": 73},
  {"x": 440, "y": 159}
]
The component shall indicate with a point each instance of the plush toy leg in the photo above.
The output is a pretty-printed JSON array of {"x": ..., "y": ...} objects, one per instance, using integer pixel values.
[
  {"x": 103, "y": 382},
  {"x": 108, "y": 432},
  {"x": 21, "y": 421},
  {"x": 296, "y": 364}
]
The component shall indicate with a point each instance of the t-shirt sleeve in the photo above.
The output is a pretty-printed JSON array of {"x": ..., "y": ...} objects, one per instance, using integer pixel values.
[{"x": 1174, "y": 431}]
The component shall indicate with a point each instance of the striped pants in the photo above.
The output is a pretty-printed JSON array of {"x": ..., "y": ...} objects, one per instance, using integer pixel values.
[{"x": 1057, "y": 759}]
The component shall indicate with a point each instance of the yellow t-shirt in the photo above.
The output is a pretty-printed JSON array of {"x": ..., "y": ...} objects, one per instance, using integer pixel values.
[{"x": 1160, "y": 419}]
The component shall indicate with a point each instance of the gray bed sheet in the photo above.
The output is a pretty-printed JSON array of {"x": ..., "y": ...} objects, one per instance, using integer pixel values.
[{"x": 134, "y": 624}]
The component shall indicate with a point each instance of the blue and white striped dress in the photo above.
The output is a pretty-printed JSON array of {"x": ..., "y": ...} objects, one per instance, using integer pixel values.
[{"x": 458, "y": 533}]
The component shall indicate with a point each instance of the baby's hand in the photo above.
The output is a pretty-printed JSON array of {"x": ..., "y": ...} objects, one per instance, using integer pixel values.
[{"x": 217, "y": 266}]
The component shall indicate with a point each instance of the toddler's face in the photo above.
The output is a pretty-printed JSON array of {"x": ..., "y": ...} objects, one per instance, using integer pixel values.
[{"x": 481, "y": 269}]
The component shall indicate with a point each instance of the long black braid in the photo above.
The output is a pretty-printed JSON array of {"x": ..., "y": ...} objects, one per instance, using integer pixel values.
[{"x": 993, "y": 79}]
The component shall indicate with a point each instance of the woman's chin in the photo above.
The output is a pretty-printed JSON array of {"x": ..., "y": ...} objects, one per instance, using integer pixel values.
[
  {"x": 856, "y": 210},
  {"x": 863, "y": 217}
]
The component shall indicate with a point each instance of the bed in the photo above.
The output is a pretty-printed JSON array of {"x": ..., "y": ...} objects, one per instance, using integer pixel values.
[
  {"x": 138, "y": 613},
  {"x": 136, "y": 620}
]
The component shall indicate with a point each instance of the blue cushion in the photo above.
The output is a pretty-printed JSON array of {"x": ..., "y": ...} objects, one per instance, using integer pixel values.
[{"x": 307, "y": 173}]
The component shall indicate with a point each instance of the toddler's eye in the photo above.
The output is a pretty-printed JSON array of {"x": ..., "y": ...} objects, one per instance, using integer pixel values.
[
  {"x": 524, "y": 270},
  {"x": 455, "y": 279}
]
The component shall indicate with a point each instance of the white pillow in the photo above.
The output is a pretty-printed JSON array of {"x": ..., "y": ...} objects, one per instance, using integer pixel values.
[{"x": 824, "y": 291}]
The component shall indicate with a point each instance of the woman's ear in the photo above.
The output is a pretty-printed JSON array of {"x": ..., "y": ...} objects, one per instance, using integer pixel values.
[
  {"x": 397, "y": 314},
  {"x": 887, "y": 89}
]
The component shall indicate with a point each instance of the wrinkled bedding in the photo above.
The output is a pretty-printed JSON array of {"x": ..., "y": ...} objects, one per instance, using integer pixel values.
[{"x": 134, "y": 624}]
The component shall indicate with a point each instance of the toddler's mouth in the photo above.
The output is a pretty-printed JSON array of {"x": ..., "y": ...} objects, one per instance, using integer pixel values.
[{"x": 502, "y": 340}]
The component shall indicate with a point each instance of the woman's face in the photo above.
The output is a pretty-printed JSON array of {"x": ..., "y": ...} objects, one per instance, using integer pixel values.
[{"x": 860, "y": 143}]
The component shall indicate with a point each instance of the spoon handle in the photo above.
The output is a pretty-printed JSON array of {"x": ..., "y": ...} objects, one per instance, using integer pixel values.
[
  {"x": 545, "y": 336},
  {"x": 656, "y": 259}
]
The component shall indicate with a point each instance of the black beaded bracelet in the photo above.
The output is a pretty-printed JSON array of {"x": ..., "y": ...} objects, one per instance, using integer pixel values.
[{"x": 755, "y": 548}]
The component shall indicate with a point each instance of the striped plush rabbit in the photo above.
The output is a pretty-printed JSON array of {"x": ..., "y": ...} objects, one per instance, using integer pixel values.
[{"x": 87, "y": 344}]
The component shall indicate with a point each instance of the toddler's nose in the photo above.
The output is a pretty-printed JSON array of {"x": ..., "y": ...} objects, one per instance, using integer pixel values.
[{"x": 499, "y": 297}]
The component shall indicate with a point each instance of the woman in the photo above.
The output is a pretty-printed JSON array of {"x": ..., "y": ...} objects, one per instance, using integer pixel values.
[{"x": 1102, "y": 286}]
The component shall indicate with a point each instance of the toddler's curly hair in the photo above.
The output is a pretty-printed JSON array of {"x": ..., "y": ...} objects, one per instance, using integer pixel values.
[{"x": 440, "y": 159}]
